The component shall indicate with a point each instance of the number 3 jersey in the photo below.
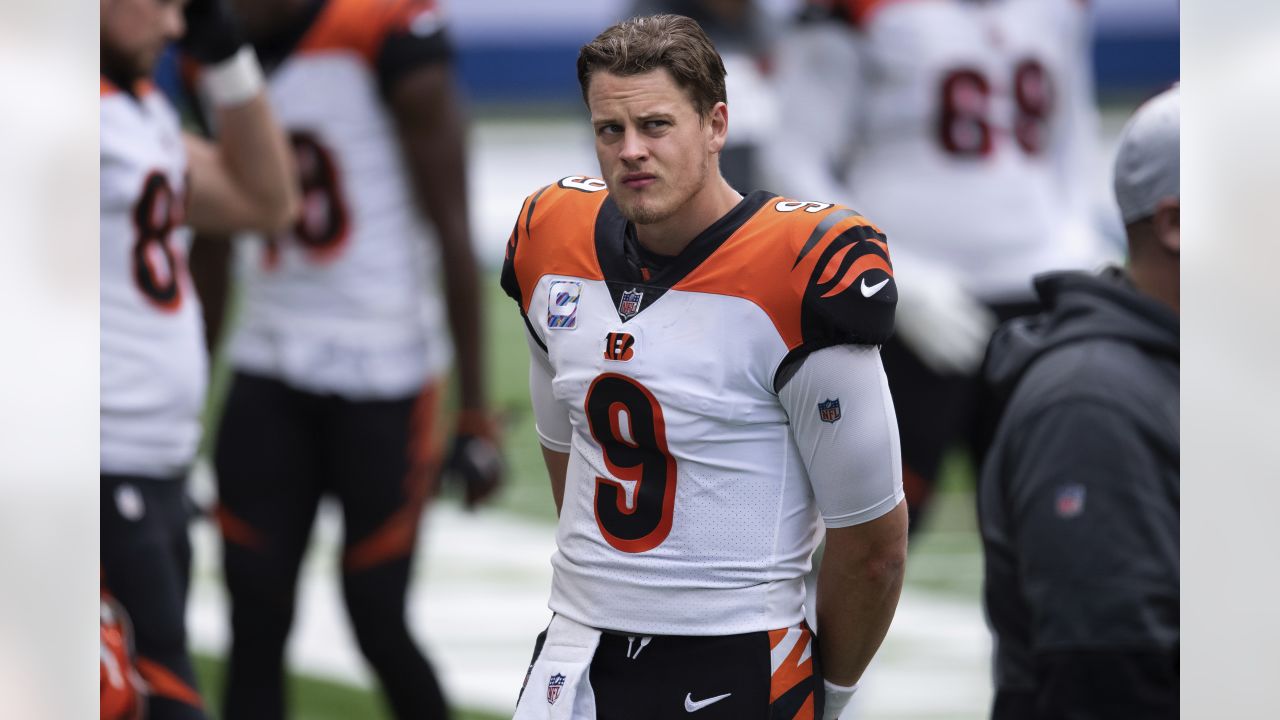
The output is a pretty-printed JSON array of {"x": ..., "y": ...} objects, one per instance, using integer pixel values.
[
  {"x": 346, "y": 302},
  {"x": 687, "y": 508},
  {"x": 153, "y": 364},
  {"x": 964, "y": 127}
]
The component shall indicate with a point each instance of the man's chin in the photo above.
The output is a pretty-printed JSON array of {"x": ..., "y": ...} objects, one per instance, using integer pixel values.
[{"x": 641, "y": 213}]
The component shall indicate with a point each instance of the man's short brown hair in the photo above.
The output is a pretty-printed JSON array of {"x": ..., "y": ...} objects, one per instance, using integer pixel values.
[{"x": 641, "y": 44}]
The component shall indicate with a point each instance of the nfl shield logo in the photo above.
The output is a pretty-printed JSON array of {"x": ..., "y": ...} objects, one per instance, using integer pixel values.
[
  {"x": 630, "y": 303},
  {"x": 554, "y": 686},
  {"x": 1070, "y": 501},
  {"x": 829, "y": 411}
]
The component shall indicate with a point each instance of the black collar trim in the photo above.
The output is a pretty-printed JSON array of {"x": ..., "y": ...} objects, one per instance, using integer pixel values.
[{"x": 622, "y": 274}]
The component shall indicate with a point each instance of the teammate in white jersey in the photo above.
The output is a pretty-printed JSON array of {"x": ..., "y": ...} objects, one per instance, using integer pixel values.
[
  {"x": 155, "y": 181},
  {"x": 343, "y": 345},
  {"x": 708, "y": 392},
  {"x": 965, "y": 127}
]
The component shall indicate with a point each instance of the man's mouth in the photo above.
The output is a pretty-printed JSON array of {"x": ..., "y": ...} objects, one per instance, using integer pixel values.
[{"x": 638, "y": 181}]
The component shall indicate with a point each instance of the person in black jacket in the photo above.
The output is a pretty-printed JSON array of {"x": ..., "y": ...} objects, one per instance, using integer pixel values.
[{"x": 1078, "y": 497}]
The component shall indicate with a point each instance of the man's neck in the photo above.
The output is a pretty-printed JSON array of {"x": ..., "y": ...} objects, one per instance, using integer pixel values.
[
  {"x": 1161, "y": 283},
  {"x": 671, "y": 236}
]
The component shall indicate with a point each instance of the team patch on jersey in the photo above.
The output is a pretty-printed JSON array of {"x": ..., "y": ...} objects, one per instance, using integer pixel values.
[
  {"x": 619, "y": 346},
  {"x": 562, "y": 305},
  {"x": 1070, "y": 501},
  {"x": 829, "y": 410},
  {"x": 554, "y": 686},
  {"x": 629, "y": 305}
]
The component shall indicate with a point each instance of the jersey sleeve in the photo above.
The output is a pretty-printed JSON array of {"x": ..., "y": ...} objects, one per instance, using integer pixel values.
[
  {"x": 551, "y": 416},
  {"x": 848, "y": 291},
  {"x": 844, "y": 425},
  {"x": 415, "y": 37}
]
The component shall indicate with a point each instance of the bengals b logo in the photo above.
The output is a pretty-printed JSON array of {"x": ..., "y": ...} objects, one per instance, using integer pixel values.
[{"x": 618, "y": 346}]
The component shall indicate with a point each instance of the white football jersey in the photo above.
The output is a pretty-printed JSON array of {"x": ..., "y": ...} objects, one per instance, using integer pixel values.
[
  {"x": 347, "y": 302},
  {"x": 687, "y": 508},
  {"x": 963, "y": 126},
  {"x": 154, "y": 367}
]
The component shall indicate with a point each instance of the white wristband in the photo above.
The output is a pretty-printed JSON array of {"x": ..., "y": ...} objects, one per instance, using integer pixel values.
[
  {"x": 836, "y": 698},
  {"x": 233, "y": 81}
]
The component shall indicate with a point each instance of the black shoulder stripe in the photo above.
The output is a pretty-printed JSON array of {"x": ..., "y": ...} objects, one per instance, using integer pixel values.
[
  {"x": 827, "y": 223},
  {"x": 528, "y": 216}
]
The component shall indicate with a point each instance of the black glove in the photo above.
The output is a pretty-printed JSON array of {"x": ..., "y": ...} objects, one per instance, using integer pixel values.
[
  {"x": 213, "y": 35},
  {"x": 474, "y": 464}
]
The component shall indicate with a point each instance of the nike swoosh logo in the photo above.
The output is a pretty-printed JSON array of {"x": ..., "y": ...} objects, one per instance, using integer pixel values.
[
  {"x": 691, "y": 705},
  {"x": 869, "y": 290}
]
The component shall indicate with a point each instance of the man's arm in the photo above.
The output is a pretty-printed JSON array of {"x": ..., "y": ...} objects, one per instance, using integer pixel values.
[
  {"x": 1095, "y": 524},
  {"x": 557, "y": 469},
  {"x": 431, "y": 132},
  {"x": 858, "y": 587},
  {"x": 552, "y": 422},
  {"x": 246, "y": 181},
  {"x": 845, "y": 428}
]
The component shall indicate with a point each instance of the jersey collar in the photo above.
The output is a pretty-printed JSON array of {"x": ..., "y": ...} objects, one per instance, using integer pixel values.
[{"x": 622, "y": 273}]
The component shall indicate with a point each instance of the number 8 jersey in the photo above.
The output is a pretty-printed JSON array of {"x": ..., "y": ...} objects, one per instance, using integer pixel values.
[
  {"x": 154, "y": 367},
  {"x": 687, "y": 506}
]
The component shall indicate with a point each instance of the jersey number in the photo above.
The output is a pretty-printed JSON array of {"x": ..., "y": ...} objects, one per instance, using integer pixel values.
[
  {"x": 626, "y": 422},
  {"x": 155, "y": 264},
  {"x": 963, "y": 125},
  {"x": 323, "y": 225}
]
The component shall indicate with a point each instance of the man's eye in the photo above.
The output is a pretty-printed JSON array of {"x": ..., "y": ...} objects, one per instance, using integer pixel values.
[
  {"x": 609, "y": 129},
  {"x": 656, "y": 123}
]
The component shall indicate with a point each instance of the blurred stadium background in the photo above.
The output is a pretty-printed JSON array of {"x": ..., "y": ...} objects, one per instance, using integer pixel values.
[{"x": 482, "y": 580}]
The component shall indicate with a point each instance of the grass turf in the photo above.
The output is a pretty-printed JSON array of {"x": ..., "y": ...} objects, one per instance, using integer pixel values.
[{"x": 313, "y": 699}]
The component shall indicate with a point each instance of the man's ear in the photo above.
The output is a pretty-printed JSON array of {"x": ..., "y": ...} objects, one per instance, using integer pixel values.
[
  {"x": 1167, "y": 221},
  {"x": 719, "y": 126}
]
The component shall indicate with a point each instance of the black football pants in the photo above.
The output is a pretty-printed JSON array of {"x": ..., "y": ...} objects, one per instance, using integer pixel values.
[
  {"x": 146, "y": 562},
  {"x": 279, "y": 451}
]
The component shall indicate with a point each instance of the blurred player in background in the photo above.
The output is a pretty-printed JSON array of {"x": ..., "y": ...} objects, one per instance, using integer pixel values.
[
  {"x": 342, "y": 349},
  {"x": 965, "y": 127},
  {"x": 708, "y": 394},
  {"x": 744, "y": 38},
  {"x": 156, "y": 180},
  {"x": 1079, "y": 497}
]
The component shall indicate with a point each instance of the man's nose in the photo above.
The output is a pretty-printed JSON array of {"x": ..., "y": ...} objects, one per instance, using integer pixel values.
[{"x": 634, "y": 148}]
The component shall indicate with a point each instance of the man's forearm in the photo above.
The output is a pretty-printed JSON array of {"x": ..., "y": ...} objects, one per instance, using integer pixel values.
[
  {"x": 859, "y": 583},
  {"x": 256, "y": 155}
]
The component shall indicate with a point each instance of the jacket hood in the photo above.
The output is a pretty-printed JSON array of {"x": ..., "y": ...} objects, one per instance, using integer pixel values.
[{"x": 1080, "y": 306}]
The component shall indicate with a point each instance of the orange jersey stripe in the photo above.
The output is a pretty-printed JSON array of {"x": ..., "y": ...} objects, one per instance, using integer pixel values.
[
  {"x": 555, "y": 235},
  {"x": 163, "y": 683},
  {"x": 396, "y": 536},
  {"x": 238, "y": 531}
]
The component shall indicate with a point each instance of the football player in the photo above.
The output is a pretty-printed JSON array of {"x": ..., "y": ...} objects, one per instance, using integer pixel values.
[
  {"x": 707, "y": 386},
  {"x": 343, "y": 346},
  {"x": 155, "y": 181},
  {"x": 965, "y": 128}
]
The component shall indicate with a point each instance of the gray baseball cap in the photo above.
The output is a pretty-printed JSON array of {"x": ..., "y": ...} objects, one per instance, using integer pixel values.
[{"x": 1146, "y": 169}]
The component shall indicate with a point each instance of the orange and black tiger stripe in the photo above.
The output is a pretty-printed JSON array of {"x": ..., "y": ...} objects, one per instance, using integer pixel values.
[{"x": 793, "y": 685}]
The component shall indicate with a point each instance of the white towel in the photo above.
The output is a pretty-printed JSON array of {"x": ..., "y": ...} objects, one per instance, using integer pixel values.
[{"x": 559, "y": 684}]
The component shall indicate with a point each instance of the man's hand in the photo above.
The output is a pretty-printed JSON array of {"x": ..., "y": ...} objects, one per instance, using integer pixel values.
[
  {"x": 212, "y": 34},
  {"x": 475, "y": 460},
  {"x": 946, "y": 327}
]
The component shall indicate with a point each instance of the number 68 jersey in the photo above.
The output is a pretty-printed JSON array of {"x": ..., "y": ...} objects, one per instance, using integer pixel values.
[{"x": 687, "y": 507}]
